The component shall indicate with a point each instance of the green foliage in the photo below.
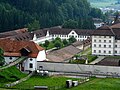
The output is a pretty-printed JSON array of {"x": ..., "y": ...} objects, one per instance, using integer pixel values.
[
  {"x": 46, "y": 44},
  {"x": 77, "y": 61},
  {"x": 58, "y": 44},
  {"x": 65, "y": 42},
  {"x": 91, "y": 58},
  {"x": 72, "y": 40},
  {"x": 43, "y": 81},
  {"x": 2, "y": 60},
  {"x": 35, "y": 25},
  {"x": 43, "y": 13},
  {"x": 70, "y": 24},
  {"x": 10, "y": 74}
]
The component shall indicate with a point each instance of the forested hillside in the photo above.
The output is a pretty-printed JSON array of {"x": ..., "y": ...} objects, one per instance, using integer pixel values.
[{"x": 45, "y": 13}]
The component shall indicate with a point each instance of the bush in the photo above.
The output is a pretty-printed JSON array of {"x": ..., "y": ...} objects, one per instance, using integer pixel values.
[{"x": 91, "y": 58}]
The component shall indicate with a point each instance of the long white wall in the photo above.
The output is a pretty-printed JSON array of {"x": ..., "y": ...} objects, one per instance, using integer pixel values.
[{"x": 79, "y": 68}]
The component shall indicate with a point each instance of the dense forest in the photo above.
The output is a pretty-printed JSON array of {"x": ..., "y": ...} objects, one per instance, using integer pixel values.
[{"x": 36, "y": 14}]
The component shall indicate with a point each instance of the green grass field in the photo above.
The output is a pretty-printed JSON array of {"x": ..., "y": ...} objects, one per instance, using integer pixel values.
[
  {"x": 100, "y": 84},
  {"x": 51, "y": 82},
  {"x": 93, "y": 84},
  {"x": 10, "y": 75}
]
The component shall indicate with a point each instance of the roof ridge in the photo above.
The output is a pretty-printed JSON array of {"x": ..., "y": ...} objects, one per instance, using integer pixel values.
[{"x": 112, "y": 31}]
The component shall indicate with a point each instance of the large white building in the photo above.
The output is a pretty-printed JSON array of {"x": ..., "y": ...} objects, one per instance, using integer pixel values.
[{"x": 106, "y": 40}]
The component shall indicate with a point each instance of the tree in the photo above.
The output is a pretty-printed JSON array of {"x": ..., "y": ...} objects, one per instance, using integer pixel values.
[
  {"x": 46, "y": 44},
  {"x": 34, "y": 25},
  {"x": 65, "y": 42},
  {"x": 72, "y": 40},
  {"x": 58, "y": 39},
  {"x": 70, "y": 24},
  {"x": 58, "y": 44},
  {"x": 2, "y": 60}
]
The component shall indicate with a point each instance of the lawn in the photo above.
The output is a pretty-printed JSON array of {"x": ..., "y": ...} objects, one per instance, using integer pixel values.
[
  {"x": 51, "y": 82},
  {"x": 10, "y": 74},
  {"x": 93, "y": 84},
  {"x": 100, "y": 84}
]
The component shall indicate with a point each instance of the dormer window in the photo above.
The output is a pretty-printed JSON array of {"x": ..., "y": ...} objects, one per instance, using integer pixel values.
[
  {"x": 25, "y": 51},
  {"x": 72, "y": 32}
]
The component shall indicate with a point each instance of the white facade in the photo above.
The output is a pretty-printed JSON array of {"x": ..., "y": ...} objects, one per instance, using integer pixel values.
[
  {"x": 10, "y": 59},
  {"x": 31, "y": 63},
  {"x": 117, "y": 47},
  {"x": 41, "y": 56},
  {"x": 72, "y": 33},
  {"x": 104, "y": 45},
  {"x": 97, "y": 25}
]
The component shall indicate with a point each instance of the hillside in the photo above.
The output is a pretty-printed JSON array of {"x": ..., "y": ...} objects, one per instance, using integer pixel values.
[
  {"x": 10, "y": 75},
  {"x": 36, "y": 14}
]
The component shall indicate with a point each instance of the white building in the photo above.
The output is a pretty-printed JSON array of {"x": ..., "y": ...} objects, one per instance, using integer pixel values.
[
  {"x": 106, "y": 40},
  {"x": 14, "y": 49},
  {"x": 40, "y": 36}
]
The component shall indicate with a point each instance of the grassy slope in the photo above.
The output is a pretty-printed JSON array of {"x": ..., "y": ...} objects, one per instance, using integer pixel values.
[
  {"x": 100, "y": 84},
  {"x": 93, "y": 84},
  {"x": 49, "y": 81},
  {"x": 9, "y": 75}
]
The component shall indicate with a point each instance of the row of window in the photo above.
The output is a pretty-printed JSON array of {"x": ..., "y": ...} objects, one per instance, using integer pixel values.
[
  {"x": 70, "y": 36},
  {"x": 104, "y": 51},
  {"x": 100, "y": 51},
  {"x": 102, "y": 36},
  {"x": 101, "y": 41},
  {"x": 105, "y": 46}
]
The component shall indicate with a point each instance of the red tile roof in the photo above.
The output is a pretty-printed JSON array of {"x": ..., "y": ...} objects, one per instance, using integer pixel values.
[{"x": 13, "y": 47}]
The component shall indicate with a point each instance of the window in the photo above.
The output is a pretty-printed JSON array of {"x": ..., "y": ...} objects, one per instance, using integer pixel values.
[
  {"x": 94, "y": 45},
  {"x": 99, "y": 51},
  {"x": 104, "y": 46},
  {"x": 109, "y": 36},
  {"x": 109, "y": 41},
  {"x": 99, "y": 40},
  {"x": 104, "y": 51},
  {"x": 109, "y": 46},
  {"x": 95, "y": 40},
  {"x": 30, "y": 65},
  {"x": 31, "y": 59},
  {"x": 115, "y": 45},
  {"x": 99, "y": 36},
  {"x": 99, "y": 45},
  {"x": 104, "y": 41},
  {"x": 10, "y": 58},
  {"x": 109, "y": 52},
  {"x": 94, "y": 51},
  {"x": 115, "y": 51},
  {"x": 72, "y": 32},
  {"x": 104, "y": 36}
]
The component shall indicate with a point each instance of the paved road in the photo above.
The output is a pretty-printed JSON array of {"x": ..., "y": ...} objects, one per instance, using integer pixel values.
[{"x": 98, "y": 59}]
